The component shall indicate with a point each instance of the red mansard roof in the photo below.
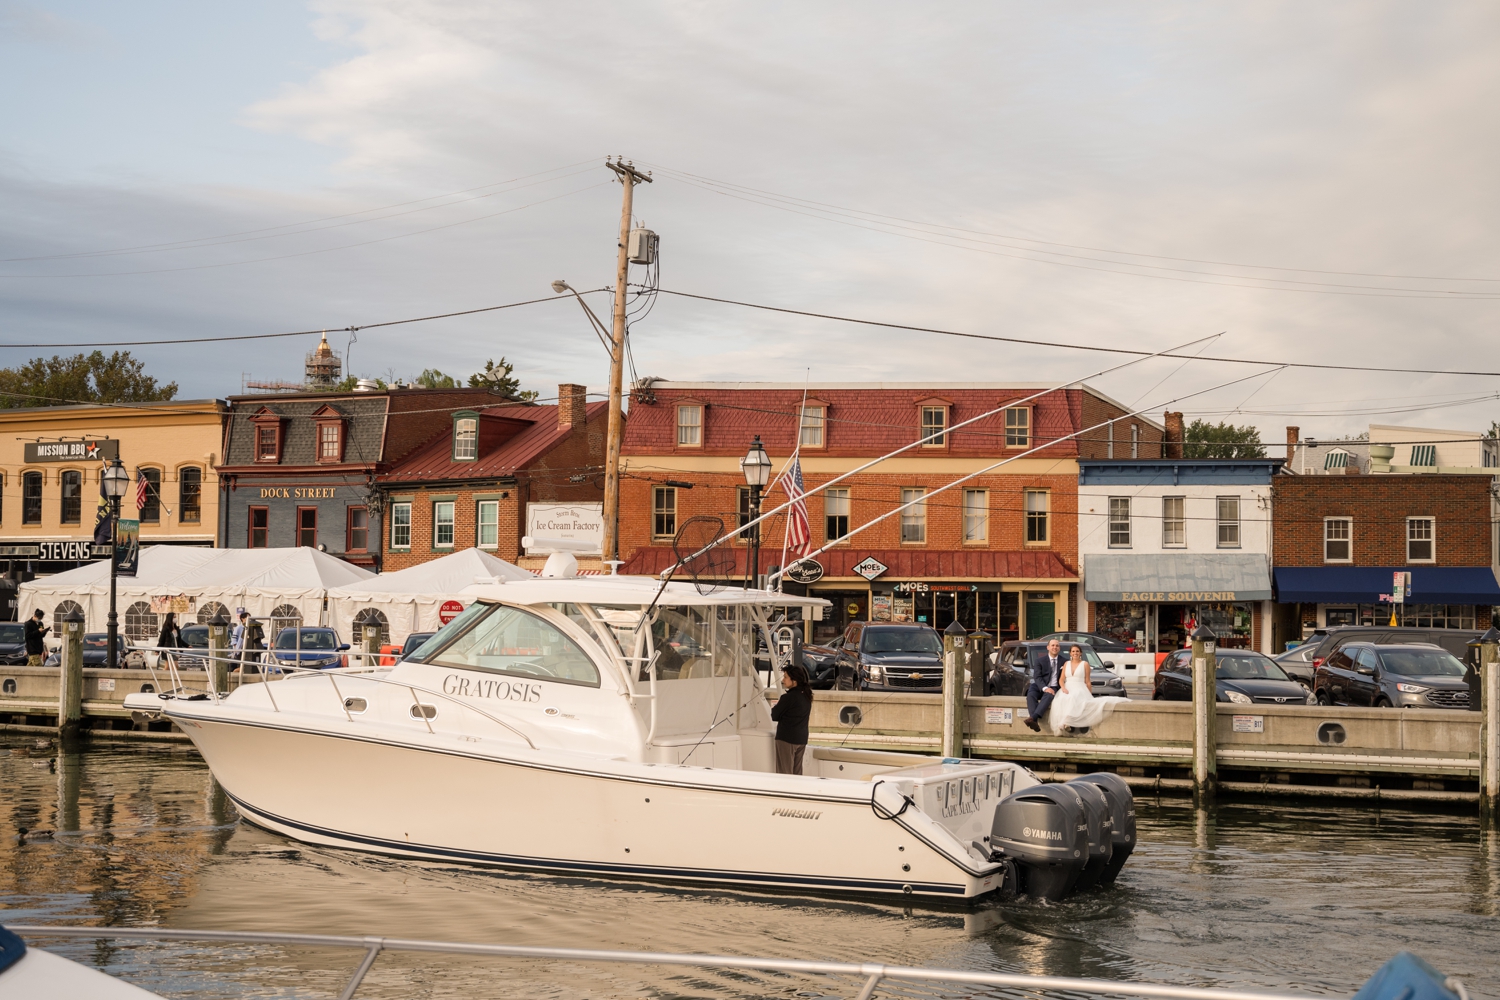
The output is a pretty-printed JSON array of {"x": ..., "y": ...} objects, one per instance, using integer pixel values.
[{"x": 434, "y": 460}]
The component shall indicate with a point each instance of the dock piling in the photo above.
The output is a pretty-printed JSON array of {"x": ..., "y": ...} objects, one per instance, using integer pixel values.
[
  {"x": 218, "y": 653},
  {"x": 1489, "y": 727},
  {"x": 70, "y": 676},
  {"x": 1205, "y": 695},
  {"x": 955, "y": 659}
]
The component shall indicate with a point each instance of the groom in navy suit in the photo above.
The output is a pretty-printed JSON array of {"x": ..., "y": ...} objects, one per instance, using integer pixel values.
[{"x": 1043, "y": 687}]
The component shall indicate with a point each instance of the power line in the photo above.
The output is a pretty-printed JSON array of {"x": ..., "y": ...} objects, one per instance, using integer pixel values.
[{"x": 1072, "y": 347}]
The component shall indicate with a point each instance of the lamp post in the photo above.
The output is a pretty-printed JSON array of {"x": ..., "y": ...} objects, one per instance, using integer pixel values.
[
  {"x": 116, "y": 482},
  {"x": 756, "y": 465}
]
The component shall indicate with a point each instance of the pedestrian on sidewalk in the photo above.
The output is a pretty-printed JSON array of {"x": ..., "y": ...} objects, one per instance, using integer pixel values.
[
  {"x": 790, "y": 713},
  {"x": 36, "y": 649}
]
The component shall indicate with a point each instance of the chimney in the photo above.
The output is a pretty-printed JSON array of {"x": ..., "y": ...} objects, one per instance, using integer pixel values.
[
  {"x": 1293, "y": 435},
  {"x": 1171, "y": 439},
  {"x": 571, "y": 401}
]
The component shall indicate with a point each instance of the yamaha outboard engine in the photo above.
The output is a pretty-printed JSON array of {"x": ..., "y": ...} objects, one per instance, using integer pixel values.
[
  {"x": 1122, "y": 808},
  {"x": 1045, "y": 832},
  {"x": 1101, "y": 829}
]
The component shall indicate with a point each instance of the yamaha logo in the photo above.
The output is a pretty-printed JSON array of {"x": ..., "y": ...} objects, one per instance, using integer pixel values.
[{"x": 1041, "y": 834}]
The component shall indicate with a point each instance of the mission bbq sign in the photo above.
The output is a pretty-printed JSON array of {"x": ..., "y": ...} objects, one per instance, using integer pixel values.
[{"x": 86, "y": 450}]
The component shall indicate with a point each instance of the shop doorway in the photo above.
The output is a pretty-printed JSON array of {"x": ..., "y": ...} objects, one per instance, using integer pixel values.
[
  {"x": 848, "y": 606},
  {"x": 1041, "y": 618}
]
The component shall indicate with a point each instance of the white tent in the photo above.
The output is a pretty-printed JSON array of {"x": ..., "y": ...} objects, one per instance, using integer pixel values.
[
  {"x": 285, "y": 584},
  {"x": 411, "y": 600}
]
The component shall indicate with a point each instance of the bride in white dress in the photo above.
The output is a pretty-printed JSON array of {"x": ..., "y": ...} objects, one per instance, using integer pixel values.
[{"x": 1075, "y": 707}]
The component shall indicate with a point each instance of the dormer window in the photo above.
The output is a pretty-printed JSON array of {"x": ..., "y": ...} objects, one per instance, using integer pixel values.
[
  {"x": 689, "y": 425},
  {"x": 268, "y": 425},
  {"x": 812, "y": 429},
  {"x": 330, "y": 434},
  {"x": 934, "y": 423},
  {"x": 465, "y": 437}
]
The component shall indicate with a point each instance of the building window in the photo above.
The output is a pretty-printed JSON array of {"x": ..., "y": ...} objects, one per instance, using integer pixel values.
[
  {"x": 307, "y": 527},
  {"x": 1337, "y": 539},
  {"x": 689, "y": 426},
  {"x": 329, "y": 435},
  {"x": 1119, "y": 522},
  {"x": 260, "y": 528},
  {"x": 1336, "y": 459},
  {"x": 1424, "y": 455},
  {"x": 1419, "y": 539},
  {"x": 1173, "y": 522},
  {"x": 1110, "y": 447},
  {"x": 466, "y": 439},
  {"x": 813, "y": 420},
  {"x": 442, "y": 524},
  {"x": 1018, "y": 427},
  {"x": 487, "y": 521},
  {"x": 1036, "y": 517},
  {"x": 663, "y": 511},
  {"x": 742, "y": 509},
  {"x": 1135, "y": 440},
  {"x": 401, "y": 525},
  {"x": 357, "y": 538},
  {"x": 914, "y": 518},
  {"x": 31, "y": 498},
  {"x": 1229, "y": 522},
  {"x": 150, "y": 513},
  {"x": 267, "y": 442},
  {"x": 72, "y": 497},
  {"x": 976, "y": 515},
  {"x": 835, "y": 514},
  {"x": 190, "y": 495},
  {"x": 934, "y": 423}
]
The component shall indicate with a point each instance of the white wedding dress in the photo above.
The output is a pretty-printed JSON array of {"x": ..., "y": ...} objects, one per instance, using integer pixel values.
[{"x": 1075, "y": 706}]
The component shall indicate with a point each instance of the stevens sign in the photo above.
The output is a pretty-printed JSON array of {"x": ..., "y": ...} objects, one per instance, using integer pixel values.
[{"x": 583, "y": 522}]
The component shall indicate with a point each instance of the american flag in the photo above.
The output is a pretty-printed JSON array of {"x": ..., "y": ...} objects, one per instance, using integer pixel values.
[
  {"x": 798, "y": 531},
  {"x": 142, "y": 489}
]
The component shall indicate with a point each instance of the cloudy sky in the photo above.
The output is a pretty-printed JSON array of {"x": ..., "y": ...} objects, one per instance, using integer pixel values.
[{"x": 1316, "y": 182}]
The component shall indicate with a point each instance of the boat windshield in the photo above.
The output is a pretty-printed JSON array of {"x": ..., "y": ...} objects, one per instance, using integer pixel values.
[
  {"x": 512, "y": 641},
  {"x": 695, "y": 641}
]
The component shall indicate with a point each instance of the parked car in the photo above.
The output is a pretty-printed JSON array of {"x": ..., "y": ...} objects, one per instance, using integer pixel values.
[
  {"x": 414, "y": 642},
  {"x": 881, "y": 657},
  {"x": 96, "y": 652},
  {"x": 194, "y": 638},
  {"x": 1241, "y": 677},
  {"x": 1298, "y": 663},
  {"x": 1011, "y": 666},
  {"x": 1454, "y": 640},
  {"x": 1099, "y": 643},
  {"x": 319, "y": 647},
  {"x": 821, "y": 661},
  {"x": 1386, "y": 676},
  {"x": 13, "y": 643}
]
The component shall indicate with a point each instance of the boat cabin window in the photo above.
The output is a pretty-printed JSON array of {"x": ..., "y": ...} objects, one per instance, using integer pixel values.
[
  {"x": 695, "y": 641},
  {"x": 512, "y": 641}
]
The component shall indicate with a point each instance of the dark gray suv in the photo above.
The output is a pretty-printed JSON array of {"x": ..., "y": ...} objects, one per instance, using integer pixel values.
[
  {"x": 880, "y": 657},
  {"x": 1387, "y": 676}
]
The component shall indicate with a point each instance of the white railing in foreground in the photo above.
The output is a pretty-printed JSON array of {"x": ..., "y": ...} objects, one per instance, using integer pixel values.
[{"x": 872, "y": 974}]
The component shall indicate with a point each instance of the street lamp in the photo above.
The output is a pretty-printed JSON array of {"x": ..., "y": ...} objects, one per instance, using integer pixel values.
[
  {"x": 116, "y": 482},
  {"x": 756, "y": 465}
]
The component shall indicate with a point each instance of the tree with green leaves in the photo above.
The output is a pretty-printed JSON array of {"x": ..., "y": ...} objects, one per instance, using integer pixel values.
[
  {"x": 497, "y": 378},
  {"x": 81, "y": 378},
  {"x": 1222, "y": 440},
  {"x": 431, "y": 378}
]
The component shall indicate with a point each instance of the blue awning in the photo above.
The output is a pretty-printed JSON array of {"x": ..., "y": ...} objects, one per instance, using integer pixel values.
[{"x": 1365, "y": 584}]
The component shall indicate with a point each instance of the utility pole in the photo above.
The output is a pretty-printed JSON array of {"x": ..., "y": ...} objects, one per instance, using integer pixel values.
[{"x": 629, "y": 178}]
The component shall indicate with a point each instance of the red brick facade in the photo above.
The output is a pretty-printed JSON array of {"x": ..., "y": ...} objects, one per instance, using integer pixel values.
[{"x": 1378, "y": 507}]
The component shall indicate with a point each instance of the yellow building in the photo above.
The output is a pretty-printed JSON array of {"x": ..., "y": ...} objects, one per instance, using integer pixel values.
[{"x": 51, "y": 459}]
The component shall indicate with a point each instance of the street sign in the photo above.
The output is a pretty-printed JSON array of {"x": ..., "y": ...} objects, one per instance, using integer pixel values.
[
  {"x": 806, "y": 571},
  {"x": 870, "y": 567},
  {"x": 1400, "y": 587},
  {"x": 449, "y": 611}
]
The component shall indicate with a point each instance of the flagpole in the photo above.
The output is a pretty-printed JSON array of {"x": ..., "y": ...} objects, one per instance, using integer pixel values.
[{"x": 796, "y": 454}]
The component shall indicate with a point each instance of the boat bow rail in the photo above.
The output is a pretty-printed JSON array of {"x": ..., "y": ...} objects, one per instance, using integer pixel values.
[{"x": 869, "y": 975}]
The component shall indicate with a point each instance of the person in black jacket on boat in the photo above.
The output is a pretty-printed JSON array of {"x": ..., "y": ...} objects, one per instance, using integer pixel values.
[{"x": 790, "y": 714}]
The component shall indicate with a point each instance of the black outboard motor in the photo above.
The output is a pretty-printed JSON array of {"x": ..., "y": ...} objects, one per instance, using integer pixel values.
[
  {"x": 1100, "y": 821},
  {"x": 1122, "y": 807},
  {"x": 1045, "y": 832}
]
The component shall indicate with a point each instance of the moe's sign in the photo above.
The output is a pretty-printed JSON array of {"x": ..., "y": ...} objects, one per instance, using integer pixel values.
[{"x": 86, "y": 450}]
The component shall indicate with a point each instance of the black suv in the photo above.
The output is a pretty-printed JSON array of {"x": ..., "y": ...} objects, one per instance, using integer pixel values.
[
  {"x": 1241, "y": 677},
  {"x": 1454, "y": 640},
  {"x": 881, "y": 657},
  {"x": 1386, "y": 676},
  {"x": 1011, "y": 666}
]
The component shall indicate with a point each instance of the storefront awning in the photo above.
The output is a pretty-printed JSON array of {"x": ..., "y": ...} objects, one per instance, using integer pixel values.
[
  {"x": 1366, "y": 584},
  {"x": 1176, "y": 577}
]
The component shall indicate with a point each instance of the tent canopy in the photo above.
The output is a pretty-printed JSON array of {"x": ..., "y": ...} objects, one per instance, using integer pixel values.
[
  {"x": 194, "y": 582},
  {"x": 411, "y": 600}
]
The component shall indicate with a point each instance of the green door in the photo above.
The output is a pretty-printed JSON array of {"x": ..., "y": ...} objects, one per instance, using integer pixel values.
[{"x": 1041, "y": 617}]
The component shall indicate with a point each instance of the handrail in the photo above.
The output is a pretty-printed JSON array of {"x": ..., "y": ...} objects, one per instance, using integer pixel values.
[{"x": 871, "y": 973}]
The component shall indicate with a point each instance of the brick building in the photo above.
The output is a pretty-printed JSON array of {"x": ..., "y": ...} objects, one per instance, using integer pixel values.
[
  {"x": 998, "y": 552},
  {"x": 1339, "y": 540},
  {"x": 473, "y": 483},
  {"x": 300, "y": 467}
]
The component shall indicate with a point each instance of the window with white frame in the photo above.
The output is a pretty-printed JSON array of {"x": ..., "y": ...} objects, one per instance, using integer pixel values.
[
  {"x": 1018, "y": 427},
  {"x": 1037, "y": 505},
  {"x": 401, "y": 525},
  {"x": 934, "y": 423},
  {"x": 442, "y": 524},
  {"x": 835, "y": 514},
  {"x": 689, "y": 425},
  {"x": 1420, "y": 541},
  {"x": 976, "y": 515},
  {"x": 814, "y": 417},
  {"x": 1173, "y": 522},
  {"x": 466, "y": 439},
  {"x": 1229, "y": 522},
  {"x": 663, "y": 511},
  {"x": 1338, "y": 539},
  {"x": 1119, "y": 522},
  {"x": 487, "y": 524},
  {"x": 914, "y": 518}
]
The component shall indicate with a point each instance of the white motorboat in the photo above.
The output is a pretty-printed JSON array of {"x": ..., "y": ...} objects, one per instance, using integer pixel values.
[{"x": 611, "y": 726}]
